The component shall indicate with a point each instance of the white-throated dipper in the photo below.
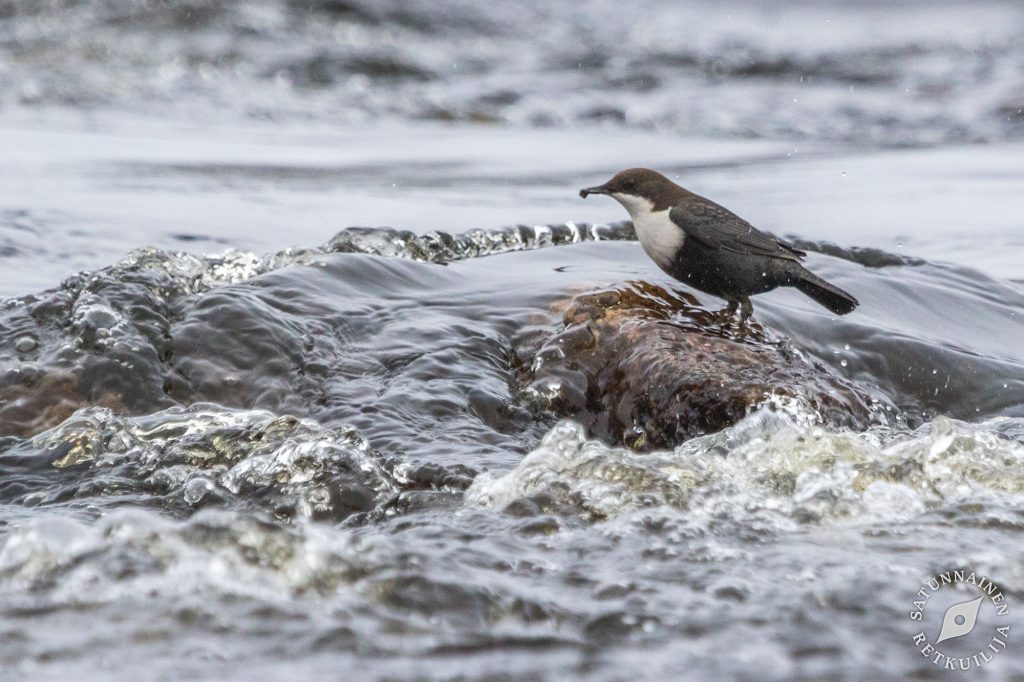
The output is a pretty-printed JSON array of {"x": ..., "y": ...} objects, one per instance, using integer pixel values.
[{"x": 711, "y": 248}]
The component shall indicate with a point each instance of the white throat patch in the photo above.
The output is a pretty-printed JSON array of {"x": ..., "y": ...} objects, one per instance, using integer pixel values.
[{"x": 660, "y": 237}]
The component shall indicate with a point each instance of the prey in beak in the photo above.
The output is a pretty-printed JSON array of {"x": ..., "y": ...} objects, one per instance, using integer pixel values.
[{"x": 593, "y": 190}]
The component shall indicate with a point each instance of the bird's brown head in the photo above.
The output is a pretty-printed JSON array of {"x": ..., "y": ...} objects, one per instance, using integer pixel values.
[{"x": 635, "y": 185}]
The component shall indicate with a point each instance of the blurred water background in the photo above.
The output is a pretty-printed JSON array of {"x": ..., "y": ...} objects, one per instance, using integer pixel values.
[{"x": 241, "y": 442}]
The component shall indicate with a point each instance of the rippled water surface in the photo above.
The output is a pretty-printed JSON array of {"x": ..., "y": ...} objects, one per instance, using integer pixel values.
[{"x": 312, "y": 360}]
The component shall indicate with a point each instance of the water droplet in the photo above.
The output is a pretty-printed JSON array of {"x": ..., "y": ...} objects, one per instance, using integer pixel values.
[
  {"x": 847, "y": 346},
  {"x": 24, "y": 344},
  {"x": 843, "y": 362}
]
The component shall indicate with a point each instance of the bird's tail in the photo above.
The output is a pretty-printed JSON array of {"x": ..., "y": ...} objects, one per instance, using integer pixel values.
[{"x": 828, "y": 295}]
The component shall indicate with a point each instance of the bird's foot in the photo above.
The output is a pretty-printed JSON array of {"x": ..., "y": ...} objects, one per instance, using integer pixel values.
[
  {"x": 746, "y": 310},
  {"x": 725, "y": 315}
]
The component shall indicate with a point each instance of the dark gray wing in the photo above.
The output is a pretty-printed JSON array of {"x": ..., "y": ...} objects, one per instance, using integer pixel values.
[{"x": 718, "y": 227}]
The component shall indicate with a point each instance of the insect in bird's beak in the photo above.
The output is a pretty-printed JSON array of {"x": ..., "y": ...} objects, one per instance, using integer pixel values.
[{"x": 593, "y": 190}]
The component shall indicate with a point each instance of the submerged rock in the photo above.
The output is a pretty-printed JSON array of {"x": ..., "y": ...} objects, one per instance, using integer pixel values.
[
  {"x": 162, "y": 328},
  {"x": 649, "y": 368}
]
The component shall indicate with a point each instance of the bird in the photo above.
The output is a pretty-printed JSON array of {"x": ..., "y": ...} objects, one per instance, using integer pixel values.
[{"x": 710, "y": 248}]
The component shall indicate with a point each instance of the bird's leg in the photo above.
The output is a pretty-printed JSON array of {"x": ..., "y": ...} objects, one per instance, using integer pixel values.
[
  {"x": 726, "y": 313},
  {"x": 746, "y": 310}
]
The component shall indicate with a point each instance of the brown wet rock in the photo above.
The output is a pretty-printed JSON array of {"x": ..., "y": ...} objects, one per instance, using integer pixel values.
[
  {"x": 96, "y": 340},
  {"x": 649, "y": 368}
]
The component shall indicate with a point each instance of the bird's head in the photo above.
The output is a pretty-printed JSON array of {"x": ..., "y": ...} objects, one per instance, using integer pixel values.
[{"x": 639, "y": 190}]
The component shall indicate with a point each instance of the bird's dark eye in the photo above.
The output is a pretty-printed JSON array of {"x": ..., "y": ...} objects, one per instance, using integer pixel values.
[{"x": 629, "y": 184}]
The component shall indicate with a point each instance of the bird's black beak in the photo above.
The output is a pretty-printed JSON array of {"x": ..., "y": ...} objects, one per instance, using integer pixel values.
[{"x": 593, "y": 190}]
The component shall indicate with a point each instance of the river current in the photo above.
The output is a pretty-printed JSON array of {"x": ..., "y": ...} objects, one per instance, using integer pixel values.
[{"x": 302, "y": 320}]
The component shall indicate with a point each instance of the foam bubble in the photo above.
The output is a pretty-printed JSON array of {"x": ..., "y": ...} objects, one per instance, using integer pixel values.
[{"x": 778, "y": 464}]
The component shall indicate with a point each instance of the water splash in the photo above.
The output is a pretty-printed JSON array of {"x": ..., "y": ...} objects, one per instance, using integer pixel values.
[
  {"x": 187, "y": 458},
  {"x": 772, "y": 465},
  {"x": 441, "y": 247}
]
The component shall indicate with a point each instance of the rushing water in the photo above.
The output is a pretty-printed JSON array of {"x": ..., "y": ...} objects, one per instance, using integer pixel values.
[{"x": 241, "y": 439}]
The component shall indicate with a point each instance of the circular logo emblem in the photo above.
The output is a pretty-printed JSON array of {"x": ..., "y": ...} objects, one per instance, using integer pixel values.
[{"x": 961, "y": 620}]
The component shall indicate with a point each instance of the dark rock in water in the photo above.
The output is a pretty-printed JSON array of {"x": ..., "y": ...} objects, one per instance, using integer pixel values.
[
  {"x": 647, "y": 367},
  {"x": 100, "y": 342}
]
